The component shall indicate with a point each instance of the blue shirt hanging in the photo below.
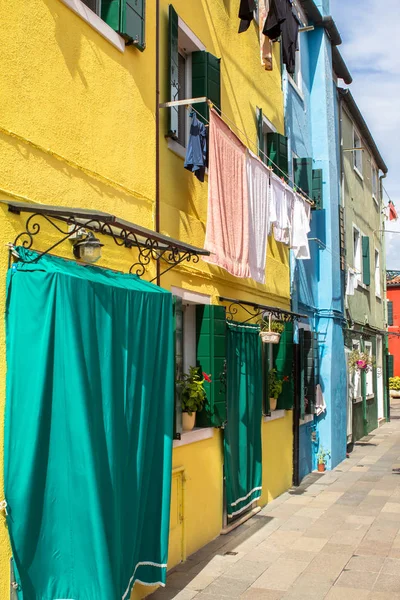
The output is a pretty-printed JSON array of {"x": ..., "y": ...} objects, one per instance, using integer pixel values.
[{"x": 196, "y": 152}]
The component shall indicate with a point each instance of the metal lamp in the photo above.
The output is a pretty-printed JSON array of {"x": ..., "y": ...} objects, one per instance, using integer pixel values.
[{"x": 89, "y": 249}]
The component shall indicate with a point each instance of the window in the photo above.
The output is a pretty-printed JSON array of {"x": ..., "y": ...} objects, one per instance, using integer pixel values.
[
  {"x": 357, "y": 253},
  {"x": 374, "y": 177},
  {"x": 369, "y": 376},
  {"x": 357, "y": 154},
  {"x": 296, "y": 78},
  {"x": 183, "y": 78},
  {"x": 264, "y": 128},
  {"x": 377, "y": 274},
  {"x": 94, "y": 5}
]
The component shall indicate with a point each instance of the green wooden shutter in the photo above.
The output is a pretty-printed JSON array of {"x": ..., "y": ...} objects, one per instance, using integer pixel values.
[
  {"x": 302, "y": 174},
  {"x": 128, "y": 18},
  {"x": 206, "y": 80},
  {"x": 277, "y": 150},
  {"x": 366, "y": 260},
  {"x": 302, "y": 379},
  {"x": 309, "y": 370},
  {"x": 316, "y": 191},
  {"x": 178, "y": 344},
  {"x": 260, "y": 134},
  {"x": 390, "y": 312},
  {"x": 283, "y": 363},
  {"x": 265, "y": 371},
  {"x": 390, "y": 360},
  {"x": 173, "y": 89},
  {"x": 211, "y": 358}
]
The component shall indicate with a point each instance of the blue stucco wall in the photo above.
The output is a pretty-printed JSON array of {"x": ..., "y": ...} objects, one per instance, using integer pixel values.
[{"x": 316, "y": 285}]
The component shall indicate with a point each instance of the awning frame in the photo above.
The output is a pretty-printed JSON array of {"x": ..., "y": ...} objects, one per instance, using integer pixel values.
[
  {"x": 151, "y": 245},
  {"x": 258, "y": 310}
]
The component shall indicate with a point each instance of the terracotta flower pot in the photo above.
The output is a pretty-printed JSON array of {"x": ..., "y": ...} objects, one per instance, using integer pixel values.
[
  {"x": 188, "y": 421},
  {"x": 321, "y": 467},
  {"x": 272, "y": 403}
]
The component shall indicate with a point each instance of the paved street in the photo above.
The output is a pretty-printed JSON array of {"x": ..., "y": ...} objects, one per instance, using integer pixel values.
[{"x": 335, "y": 538}]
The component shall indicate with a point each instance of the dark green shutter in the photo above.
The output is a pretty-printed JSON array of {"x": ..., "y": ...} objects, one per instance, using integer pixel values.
[
  {"x": 211, "y": 358},
  {"x": 173, "y": 83},
  {"x": 128, "y": 18},
  {"x": 390, "y": 365},
  {"x": 283, "y": 363},
  {"x": 277, "y": 150},
  {"x": 366, "y": 260},
  {"x": 265, "y": 371},
  {"x": 316, "y": 192},
  {"x": 302, "y": 174},
  {"x": 178, "y": 344},
  {"x": 260, "y": 134},
  {"x": 302, "y": 379},
  {"x": 309, "y": 370},
  {"x": 390, "y": 312},
  {"x": 206, "y": 80}
]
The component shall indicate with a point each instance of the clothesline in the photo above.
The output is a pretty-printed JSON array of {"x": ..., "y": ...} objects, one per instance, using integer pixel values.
[{"x": 226, "y": 118}]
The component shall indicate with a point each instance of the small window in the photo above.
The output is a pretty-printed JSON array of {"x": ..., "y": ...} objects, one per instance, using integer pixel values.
[
  {"x": 296, "y": 77},
  {"x": 357, "y": 154},
  {"x": 357, "y": 253},
  {"x": 377, "y": 274},
  {"x": 375, "y": 193}
]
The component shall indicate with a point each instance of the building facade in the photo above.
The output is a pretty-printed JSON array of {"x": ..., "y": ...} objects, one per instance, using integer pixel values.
[
  {"x": 362, "y": 169},
  {"x": 82, "y": 128}
]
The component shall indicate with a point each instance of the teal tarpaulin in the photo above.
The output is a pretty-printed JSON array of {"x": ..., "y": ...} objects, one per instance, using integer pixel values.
[
  {"x": 242, "y": 434},
  {"x": 88, "y": 432}
]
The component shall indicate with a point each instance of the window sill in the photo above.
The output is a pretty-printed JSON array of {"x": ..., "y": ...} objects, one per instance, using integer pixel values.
[
  {"x": 96, "y": 23},
  {"x": 378, "y": 297},
  {"x": 371, "y": 397},
  {"x": 177, "y": 148},
  {"x": 363, "y": 286},
  {"x": 197, "y": 435},
  {"x": 296, "y": 87},
  {"x": 359, "y": 173},
  {"x": 276, "y": 414},
  {"x": 357, "y": 400},
  {"x": 307, "y": 419}
]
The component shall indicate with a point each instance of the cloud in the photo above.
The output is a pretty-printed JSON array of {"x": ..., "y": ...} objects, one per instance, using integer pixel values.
[{"x": 371, "y": 49}]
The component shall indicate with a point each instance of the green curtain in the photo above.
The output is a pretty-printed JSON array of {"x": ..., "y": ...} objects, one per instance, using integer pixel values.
[
  {"x": 242, "y": 434},
  {"x": 88, "y": 431}
]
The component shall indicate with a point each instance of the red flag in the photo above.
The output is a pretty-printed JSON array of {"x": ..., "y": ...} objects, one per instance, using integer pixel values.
[{"x": 392, "y": 212}]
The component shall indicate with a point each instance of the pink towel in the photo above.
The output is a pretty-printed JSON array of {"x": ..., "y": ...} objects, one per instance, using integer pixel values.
[{"x": 227, "y": 233}]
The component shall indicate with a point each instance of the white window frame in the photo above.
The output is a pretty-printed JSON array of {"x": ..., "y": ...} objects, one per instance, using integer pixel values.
[
  {"x": 96, "y": 23},
  {"x": 357, "y": 162},
  {"x": 357, "y": 254},
  {"x": 369, "y": 376},
  {"x": 188, "y": 42},
  {"x": 374, "y": 182},
  {"x": 377, "y": 274}
]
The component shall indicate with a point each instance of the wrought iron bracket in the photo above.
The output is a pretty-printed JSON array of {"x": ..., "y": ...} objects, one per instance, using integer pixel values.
[
  {"x": 258, "y": 311},
  {"x": 150, "y": 245}
]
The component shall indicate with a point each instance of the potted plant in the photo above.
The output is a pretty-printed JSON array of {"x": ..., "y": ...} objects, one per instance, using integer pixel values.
[
  {"x": 271, "y": 331},
  {"x": 193, "y": 396},
  {"x": 322, "y": 457},
  {"x": 360, "y": 361},
  {"x": 275, "y": 386}
]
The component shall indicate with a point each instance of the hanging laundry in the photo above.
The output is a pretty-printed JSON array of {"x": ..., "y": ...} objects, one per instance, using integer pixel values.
[
  {"x": 227, "y": 231},
  {"x": 258, "y": 176},
  {"x": 265, "y": 42},
  {"x": 351, "y": 281},
  {"x": 281, "y": 22},
  {"x": 320, "y": 406},
  {"x": 196, "y": 152},
  {"x": 392, "y": 212},
  {"x": 280, "y": 211},
  {"x": 246, "y": 14},
  {"x": 301, "y": 228}
]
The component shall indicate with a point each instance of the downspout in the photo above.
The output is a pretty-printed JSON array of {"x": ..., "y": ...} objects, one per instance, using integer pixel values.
[
  {"x": 157, "y": 198},
  {"x": 385, "y": 374},
  {"x": 342, "y": 196},
  {"x": 296, "y": 417}
]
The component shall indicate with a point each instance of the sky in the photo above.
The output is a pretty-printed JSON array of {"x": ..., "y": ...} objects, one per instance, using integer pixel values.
[{"x": 371, "y": 49}]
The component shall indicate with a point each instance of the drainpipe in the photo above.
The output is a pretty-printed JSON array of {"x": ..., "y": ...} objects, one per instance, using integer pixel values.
[
  {"x": 157, "y": 198},
  {"x": 296, "y": 417},
  {"x": 385, "y": 374}
]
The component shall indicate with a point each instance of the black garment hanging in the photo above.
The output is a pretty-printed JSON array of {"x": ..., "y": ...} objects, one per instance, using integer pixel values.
[
  {"x": 246, "y": 14},
  {"x": 281, "y": 22},
  {"x": 277, "y": 14}
]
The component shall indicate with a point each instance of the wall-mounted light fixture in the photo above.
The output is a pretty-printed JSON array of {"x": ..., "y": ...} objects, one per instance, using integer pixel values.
[{"x": 88, "y": 249}]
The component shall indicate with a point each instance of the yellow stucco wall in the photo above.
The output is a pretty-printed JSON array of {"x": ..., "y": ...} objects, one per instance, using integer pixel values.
[{"x": 77, "y": 128}]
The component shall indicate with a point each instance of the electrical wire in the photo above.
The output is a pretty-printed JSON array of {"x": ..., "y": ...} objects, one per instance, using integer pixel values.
[{"x": 226, "y": 118}]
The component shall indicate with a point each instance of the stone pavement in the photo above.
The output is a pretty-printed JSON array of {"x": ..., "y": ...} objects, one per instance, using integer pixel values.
[{"x": 337, "y": 537}]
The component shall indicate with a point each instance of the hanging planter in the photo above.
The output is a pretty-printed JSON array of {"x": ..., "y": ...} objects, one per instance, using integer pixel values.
[
  {"x": 360, "y": 361},
  {"x": 271, "y": 331}
]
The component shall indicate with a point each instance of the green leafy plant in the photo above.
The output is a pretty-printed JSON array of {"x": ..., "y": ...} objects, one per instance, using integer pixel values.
[
  {"x": 275, "y": 384},
  {"x": 394, "y": 383},
  {"x": 192, "y": 390},
  {"x": 276, "y": 326},
  {"x": 360, "y": 361},
  {"x": 323, "y": 456}
]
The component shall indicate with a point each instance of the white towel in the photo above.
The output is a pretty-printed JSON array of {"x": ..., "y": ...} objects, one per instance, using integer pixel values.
[
  {"x": 280, "y": 209},
  {"x": 300, "y": 228},
  {"x": 351, "y": 282},
  {"x": 320, "y": 406},
  {"x": 258, "y": 176}
]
